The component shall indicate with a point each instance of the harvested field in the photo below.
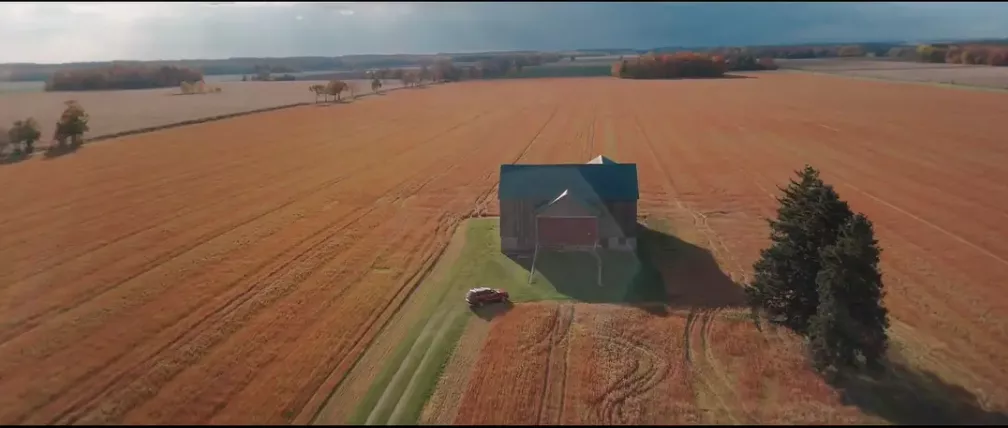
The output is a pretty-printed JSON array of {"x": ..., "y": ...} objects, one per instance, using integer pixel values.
[
  {"x": 228, "y": 272},
  {"x": 610, "y": 365},
  {"x": 113, "y": 112},
  {"x": 958, "y": 74}
]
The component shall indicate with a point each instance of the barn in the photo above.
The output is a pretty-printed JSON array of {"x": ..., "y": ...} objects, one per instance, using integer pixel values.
[{"x": 568, "y": 206}]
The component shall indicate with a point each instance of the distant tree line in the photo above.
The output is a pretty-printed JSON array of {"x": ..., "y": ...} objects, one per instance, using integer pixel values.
[
  {"x": 976, "y": 53},
  {"x": 689, "y": 64},
  {"x": 252, "y": 66},
  {"x": 121, "y": 77},
  {"x": 670, "y": 66},
  {"x": 993, "y": 55},
  {"x": 794, "y": 52}
]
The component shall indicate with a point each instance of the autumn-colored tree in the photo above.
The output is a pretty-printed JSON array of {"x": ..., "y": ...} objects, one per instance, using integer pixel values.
[
  {"x": 73, "y": 123},
  {"x": 679, "y": 65}
]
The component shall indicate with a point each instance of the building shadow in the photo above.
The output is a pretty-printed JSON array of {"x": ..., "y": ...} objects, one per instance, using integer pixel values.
[
  {"x": 906, "y": 396},
  {"x": 56, "y": 150},
  {"x": 491, "y": 311},
  {"x": 664, "y": 273},
  {"x": 690, "y": 274}
]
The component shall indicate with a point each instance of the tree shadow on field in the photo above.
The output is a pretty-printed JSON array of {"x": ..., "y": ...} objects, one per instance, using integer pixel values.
[
  {"x": 664, "y": 273},
  {"x": 14, "y": 157},
  {"x": 56, "y": 150},
  {"x": 737, "y": 76},
  {"x": 906, "y": 396},
  {"x": 489, "y": 312}
]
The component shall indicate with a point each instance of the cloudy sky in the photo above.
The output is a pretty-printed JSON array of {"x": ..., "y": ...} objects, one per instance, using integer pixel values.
[{"x": 65, "y": 32}]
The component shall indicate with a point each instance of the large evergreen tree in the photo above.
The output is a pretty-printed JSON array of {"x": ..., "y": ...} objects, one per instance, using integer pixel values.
[
  {"x": 808, "y": 219},
  {"x": 851, "y": 320}
]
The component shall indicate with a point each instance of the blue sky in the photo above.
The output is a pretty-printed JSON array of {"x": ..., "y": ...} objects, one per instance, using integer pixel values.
[{"x": 65, "y": 32}]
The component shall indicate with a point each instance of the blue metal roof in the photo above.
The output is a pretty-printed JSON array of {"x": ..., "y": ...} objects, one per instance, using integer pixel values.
[{"x": 609, "y": 182}]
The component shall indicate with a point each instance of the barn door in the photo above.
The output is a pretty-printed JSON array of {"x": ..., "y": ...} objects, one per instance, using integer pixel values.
[{"x": 567, "y": 231}]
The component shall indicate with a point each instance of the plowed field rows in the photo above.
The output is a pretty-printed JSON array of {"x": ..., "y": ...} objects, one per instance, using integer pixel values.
[{"x": 229, "y": 272}]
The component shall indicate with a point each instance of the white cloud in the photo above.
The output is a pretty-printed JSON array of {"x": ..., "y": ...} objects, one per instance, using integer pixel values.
[{"x": 64, "y": 32}]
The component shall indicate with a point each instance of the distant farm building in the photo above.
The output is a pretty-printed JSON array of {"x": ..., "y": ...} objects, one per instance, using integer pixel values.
[{"x": 568, "y": 206}]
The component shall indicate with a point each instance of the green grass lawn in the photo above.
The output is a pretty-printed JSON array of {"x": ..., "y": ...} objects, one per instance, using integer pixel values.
[{"x": 558, "y": 275}]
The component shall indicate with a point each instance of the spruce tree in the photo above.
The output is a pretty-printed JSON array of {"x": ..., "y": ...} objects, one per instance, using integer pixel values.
[
  {"x": 852, "y": 319},
  {"x": 808, "y": 219},
  {"x": 832, "y": 337}
]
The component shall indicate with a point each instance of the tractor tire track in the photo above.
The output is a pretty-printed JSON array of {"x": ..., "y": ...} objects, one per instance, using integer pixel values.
[
  {"x": 416, "y": 352},
  {"x": 551, "y": 401},
  {"x": 720, "y": 378},
  {"x": 699, "y": 363},
  {"x": 395, "y": 418},
  {"x": 717, "y": 246},
  {"x": 18, "y": 329},
  {"x": 218, "y": 202},
  {"x": 647, "y": 370},
  {"x": 144, "y": 187}
]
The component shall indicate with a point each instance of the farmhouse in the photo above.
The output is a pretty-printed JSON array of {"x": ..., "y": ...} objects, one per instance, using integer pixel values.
[{"x": 568, "y": 206}]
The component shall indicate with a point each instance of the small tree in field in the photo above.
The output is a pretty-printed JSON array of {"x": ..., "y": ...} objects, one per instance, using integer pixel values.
[
  {"x": 24, "y": 131},
  {"x": 73, "y": 123},
  {"x": 809, "y": 218},
  {"x": 851, "y": 320}
]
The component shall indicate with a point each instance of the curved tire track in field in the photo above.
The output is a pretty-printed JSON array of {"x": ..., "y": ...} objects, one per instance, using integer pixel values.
[{"x": 647, "y": 370}]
